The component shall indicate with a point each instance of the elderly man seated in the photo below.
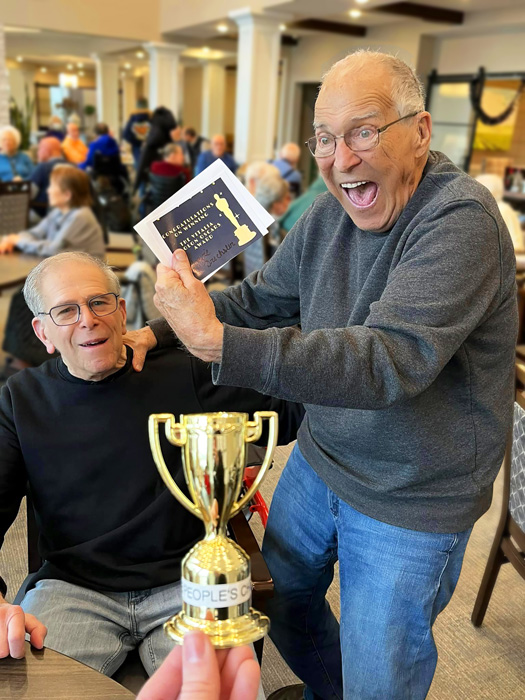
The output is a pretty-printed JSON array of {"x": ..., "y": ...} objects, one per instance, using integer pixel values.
[
  {"x": 217, "y": 150},
  {"x": 287, "y": 162},
  {"x": 49, "y": 155},
  {"x": 74, "y": 431}
]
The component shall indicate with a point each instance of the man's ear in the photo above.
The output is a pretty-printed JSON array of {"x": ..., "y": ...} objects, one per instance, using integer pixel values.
[
  {"x": 122, "y": 310},
  {"x": 40, "y": 332},
  {"x": 424, "y": 132}
]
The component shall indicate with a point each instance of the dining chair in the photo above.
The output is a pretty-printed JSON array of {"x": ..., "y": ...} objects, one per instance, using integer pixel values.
[
  {"x": 14, "y": 206},
  {"x": 509, "y": 541}
]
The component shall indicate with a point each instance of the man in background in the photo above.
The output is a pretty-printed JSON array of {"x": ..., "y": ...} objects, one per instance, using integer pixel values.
[
  {"x": 49, "y": 155},
  {"x": 217, "y": 150},
  {"x": 74, "y": 149},
  {"x": 287, "y": 164},
  {"x": 196, "y": 145},
  {"x": 137, "y": 128}
]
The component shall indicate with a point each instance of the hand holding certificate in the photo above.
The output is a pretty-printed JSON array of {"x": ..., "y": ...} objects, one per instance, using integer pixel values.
[{"x": 212, "y": 218}]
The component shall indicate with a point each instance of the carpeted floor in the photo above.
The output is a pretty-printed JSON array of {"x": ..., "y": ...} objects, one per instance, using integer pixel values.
[{"x": 474, "y": 664}]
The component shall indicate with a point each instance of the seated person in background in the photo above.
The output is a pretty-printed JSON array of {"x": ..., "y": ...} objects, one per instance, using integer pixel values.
[
  {"x": 74, "y": 149},
  {"x": 172, "y": 163},
  {"x": 71, "y": 225},
  {"x": 176, "y": 137},
  {"x": 75, "y": 431},
  {"x": 137, "y": 128},
  {"x": 196, "y": 145},
  {"x": 287, "y": 163},
  {"x": 217, "y": 150},
  {"x": 494, "y": 184},
  {"x": 105, "y": 144},
  {"x": 14, "y": 165},
  {"x": 301, "y": 204},
  {"x": 49, "y": 155},
  {"x": 56, "y": 128},
  {"x": 273, "y": 192}
]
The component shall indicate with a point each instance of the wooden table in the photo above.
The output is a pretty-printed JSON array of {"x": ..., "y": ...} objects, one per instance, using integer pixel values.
[
  {"x": 15, "y": 267},
  {"x": 46, "y": 675}
]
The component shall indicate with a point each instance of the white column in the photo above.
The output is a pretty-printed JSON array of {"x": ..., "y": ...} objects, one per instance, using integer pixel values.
[
  {"x": 107, "y": 92},
  {"x": 164, "y": 76},
  {"x": 22, "y": 84},
  {"x": 4, "y": 81},
  {"x": 257, "y": 84},
  {"x": 129, "y": 97},
  {"x": 213, "y": 91}
]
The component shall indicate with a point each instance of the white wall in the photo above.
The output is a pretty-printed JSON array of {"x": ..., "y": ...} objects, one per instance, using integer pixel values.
[{"x": 502, "y": 52}]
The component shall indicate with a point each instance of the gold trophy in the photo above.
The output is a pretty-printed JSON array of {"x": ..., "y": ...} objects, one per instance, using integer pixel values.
[
  {"x": 243, "y": 233},
  {"x": 216, "y": 579}
]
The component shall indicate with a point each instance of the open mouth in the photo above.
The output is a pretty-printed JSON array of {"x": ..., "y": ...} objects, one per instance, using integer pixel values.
[
  {"x": 93, "y": 343},
  {"x": 361, "y": 194}
]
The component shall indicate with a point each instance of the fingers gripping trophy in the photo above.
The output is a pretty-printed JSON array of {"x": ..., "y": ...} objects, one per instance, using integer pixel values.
[{"x": 216, "y": 580}]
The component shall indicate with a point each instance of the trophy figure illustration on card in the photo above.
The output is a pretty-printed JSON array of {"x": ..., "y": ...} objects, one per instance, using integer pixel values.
[
  {"x": 211, "y": 218},
  {"x": 243, "y": 233}
]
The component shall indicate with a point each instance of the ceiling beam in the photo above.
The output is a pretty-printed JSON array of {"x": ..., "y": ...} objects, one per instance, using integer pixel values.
[
  {"x": 425, "y": 12},
  {"x": 319, "y": 25}
]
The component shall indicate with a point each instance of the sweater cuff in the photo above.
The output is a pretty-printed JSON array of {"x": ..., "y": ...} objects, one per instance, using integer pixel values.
[{"x": 248, "y": 358}]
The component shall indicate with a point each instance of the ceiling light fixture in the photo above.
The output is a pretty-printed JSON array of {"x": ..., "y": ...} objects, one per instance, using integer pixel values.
[
  {"x": 19, "y": 59},
  {"x": 140, "y": 54},
  {"x": 354, "y": 14},
  {"x": 43, "y": 69},
  {"x": 282, "y": 27},
  {"x": 80, "y": 65},
  {"x": 205, "y": 49},
  {"x": 127, "y": 66},
  {"x": 361, "y": 2},
  {"x": 70, "y": 66},
  {"x": 222, "y": 28},
  {"x": 81, "y": 73}
]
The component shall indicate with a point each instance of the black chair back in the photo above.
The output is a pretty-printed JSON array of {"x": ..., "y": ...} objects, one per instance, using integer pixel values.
[
  {"x": 162, "y": 187},
  {"x": 14, "y": 205}
]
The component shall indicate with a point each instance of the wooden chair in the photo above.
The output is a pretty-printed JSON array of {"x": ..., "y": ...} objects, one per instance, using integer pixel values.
[
  {"x": 509, "y": 541},
  {"x": 14, "y": 206}
]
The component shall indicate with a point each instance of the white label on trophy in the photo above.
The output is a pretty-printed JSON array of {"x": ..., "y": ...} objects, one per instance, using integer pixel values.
[{"x": 220, "y": 595}]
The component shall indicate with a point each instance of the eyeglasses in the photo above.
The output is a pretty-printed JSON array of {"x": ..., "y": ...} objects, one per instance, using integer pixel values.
[
  {"x": 363, "y": 138},
  {"x": 68, "y": 314}
]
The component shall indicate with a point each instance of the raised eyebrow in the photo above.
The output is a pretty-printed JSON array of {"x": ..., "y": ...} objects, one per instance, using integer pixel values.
[{"x": 359, "y": 118}]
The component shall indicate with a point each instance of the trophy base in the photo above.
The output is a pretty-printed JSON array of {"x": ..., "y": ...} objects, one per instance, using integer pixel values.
[
  {"x": 244, "y": 235},
  {"x": 223, "y": 634}
]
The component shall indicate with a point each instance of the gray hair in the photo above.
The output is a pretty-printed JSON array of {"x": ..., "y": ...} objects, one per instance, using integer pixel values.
[
  {"x": 170, "y": 148},
  {"x": 15, "y": 133},
  {"x": 408, "y": 93},
  {"x": 32, "y": 288},
  {"x": 258, "y": 169},
  {"x": 270, "y": 189}
]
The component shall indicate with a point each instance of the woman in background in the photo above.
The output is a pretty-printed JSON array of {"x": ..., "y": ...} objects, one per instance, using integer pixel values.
[{"x": 14, "y": 165}]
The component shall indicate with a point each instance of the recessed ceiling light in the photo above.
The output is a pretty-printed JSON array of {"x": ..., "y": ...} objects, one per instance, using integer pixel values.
[
  {"x": 282, "y": 27},
  {"x": 354, "y": 14},
  {"x": 205, "y": 49},
  {"x": 81, "y": 73},
  {"x": 19, "y": 59},
  {"x": 222, "y": 28},
  {"x": 43, "y": 69},
  {"x": 80, "y": 65},
  {"x": 140, "y": 54},
  {"x": 69, "y": 66},
  {"x": 127, "y": 66}
]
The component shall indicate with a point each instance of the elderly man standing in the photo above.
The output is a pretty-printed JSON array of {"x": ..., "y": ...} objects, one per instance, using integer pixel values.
[
  {"x": 75, "y": 429},
  {"x": 402, "y": 278}
]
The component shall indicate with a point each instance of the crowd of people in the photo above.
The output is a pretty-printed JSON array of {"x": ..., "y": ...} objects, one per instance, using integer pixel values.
[{"x": 392, "y": 366}]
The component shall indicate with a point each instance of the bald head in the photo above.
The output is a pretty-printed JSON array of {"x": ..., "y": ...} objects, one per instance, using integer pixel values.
[
  {"x": 48, "y": 149},
  {"x": 404, "y": 89},
  {"x": 291, "y": 153},
  {"x": 218, "y": 145}
]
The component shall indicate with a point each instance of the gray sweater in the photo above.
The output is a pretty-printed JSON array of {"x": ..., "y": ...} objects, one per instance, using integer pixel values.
[
  {"x": 78, "y": 229},
  {"x": 405, "y": 352}
]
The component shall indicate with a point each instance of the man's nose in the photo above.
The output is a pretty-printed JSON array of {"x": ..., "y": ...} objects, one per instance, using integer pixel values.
[
  {"x": 87, "y": 317},
  {"x": 345, "y": 158}
]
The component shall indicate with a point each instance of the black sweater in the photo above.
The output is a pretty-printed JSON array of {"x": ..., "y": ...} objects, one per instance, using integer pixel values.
[{"x": 106, "y": 520}]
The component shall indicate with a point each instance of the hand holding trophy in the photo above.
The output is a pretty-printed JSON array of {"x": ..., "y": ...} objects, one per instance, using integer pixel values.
[{"x": 216, "y": 582}]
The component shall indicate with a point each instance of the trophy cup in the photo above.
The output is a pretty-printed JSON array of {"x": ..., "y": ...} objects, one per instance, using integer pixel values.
[{"x": 216, "y": 582}]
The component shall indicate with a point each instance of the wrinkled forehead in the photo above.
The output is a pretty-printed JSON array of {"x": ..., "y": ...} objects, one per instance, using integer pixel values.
[
  {"x": 72, "y": 281},
  {"x": 354, "y": 93}
]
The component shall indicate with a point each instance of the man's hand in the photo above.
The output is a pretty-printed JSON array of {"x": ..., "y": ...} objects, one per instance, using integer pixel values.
[
  {"x": 14, "y": 624},
  {"x": 7, "y": 243},
  {"x": 188, "y": 308},
  {"x": 141, "y": 342},
  {"x": 197, "y": 672}
]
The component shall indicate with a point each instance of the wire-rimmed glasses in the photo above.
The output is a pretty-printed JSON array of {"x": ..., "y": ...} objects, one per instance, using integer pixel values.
[
  {"x": 362, "y": 138},
  {"x": 68, "y": 314}
]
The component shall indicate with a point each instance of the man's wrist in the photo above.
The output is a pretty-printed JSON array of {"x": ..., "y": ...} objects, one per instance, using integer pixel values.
[{"x": 211, "y": 349}]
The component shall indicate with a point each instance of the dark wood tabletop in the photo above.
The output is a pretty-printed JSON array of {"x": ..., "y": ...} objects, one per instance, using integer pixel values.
[{"x": 46, "y": 675}]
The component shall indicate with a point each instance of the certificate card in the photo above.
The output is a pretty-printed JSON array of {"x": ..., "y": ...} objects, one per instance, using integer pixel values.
[{"x": 213, "y": 218}]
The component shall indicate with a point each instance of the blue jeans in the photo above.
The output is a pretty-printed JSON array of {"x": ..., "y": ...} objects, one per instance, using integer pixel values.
[
  {"x": 394, "y": 583},
  {"x": 100, "y": 628}
]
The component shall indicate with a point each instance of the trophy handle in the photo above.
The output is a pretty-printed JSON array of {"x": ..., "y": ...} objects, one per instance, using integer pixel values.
[
  {"x": 253, "y": 432},
  {"x": 176, "y": 434}
]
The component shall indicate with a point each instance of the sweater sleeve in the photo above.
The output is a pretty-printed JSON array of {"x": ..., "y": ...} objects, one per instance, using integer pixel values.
[
  {"x": 12, "y": 470},
  {"x": 78, "y": 232},
  {"x": 447, "y": 282}
]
